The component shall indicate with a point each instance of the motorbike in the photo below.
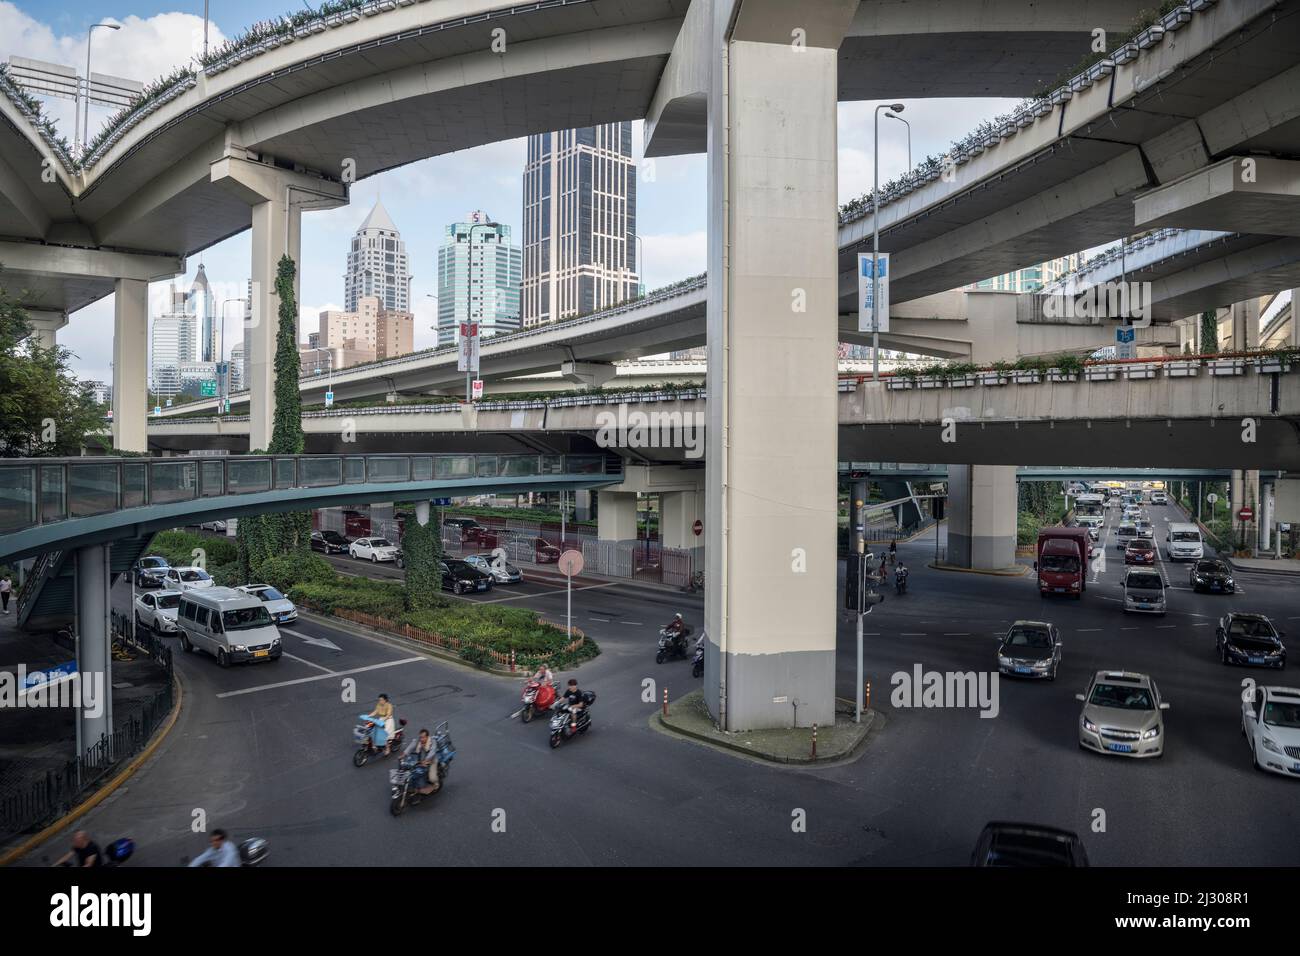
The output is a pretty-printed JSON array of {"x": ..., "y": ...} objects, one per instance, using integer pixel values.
[
  {"x": 900, "y": 583},
  {"x": 115, "y": 854},
  {"x": 537, "y": 698},
  {"x": 407, "y": 783},
  {"x": 252, "y": 852},
  {"x": 566, "y": 724},
  {"x": 672, "y": 645},
  {"x": 697, "y": 664},
  {"x": 364, "y": 734}
]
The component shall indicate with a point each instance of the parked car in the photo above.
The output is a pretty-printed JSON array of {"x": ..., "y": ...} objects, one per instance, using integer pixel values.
[
  {"x": 1144, "y": 591},
  {"x": 329, "y": 542},
  {"x": 214, "y": 525},
  {"x": 1140, "y": 551},
  {"x": 281, "y": 609},
  {"x": 1030, "y": 649},
  {"x": 1122, "y": 714},
  {"x": 1270, "y": 722},
  {"x": 1213, "y": 575},
  {"x": 373, "y": 550},
  {"x": 1027, "y": 844},
  {"x": 544, "y": 552},
  {"x": 502, "y": 572},
  {"x": 1246, "y": 638},
  {"x": 156, "y": 611},
  {"x": 462, "y": 525},
  {"x": 480, "y": 536},
  {"x": 460, "y": 577},
  {"x": 186, "y": 579},
  {"x": 149, "y": 571}
]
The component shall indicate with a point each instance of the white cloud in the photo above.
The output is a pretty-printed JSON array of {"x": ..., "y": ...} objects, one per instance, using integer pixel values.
[{"x": 669, "y": 257}]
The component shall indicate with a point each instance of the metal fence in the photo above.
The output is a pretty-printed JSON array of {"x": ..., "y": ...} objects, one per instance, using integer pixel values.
[{"x": 36, "y": 803}]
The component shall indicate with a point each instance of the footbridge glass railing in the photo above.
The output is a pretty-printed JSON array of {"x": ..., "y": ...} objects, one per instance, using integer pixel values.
[{"x": 44, "y": 490}]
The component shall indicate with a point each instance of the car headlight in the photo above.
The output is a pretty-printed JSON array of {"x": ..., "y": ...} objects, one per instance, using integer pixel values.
[
  {"x": 238, "y": 647},
  {"x": 1200, "y": 579},
  {"x": 1042, "y": 665},
  {"x": 1089, "y": 725},
  {"x": 1227, "y": 580},
  {"x": 1151, "y": 734},
  {"x": 1271, "y": 745},
  {"x": 275, "y": 642}
]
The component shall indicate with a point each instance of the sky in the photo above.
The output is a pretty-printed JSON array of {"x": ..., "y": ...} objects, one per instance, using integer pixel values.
[{"x": 424, "y": 197}]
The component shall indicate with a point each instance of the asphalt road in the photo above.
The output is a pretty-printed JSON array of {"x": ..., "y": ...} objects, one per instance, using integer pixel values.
[{"x": 266, "y": 749}]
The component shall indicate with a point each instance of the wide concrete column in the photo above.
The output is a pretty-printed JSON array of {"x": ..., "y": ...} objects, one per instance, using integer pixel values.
[
  {"x": 45, "y": 325},
  {"x": 277, "y": 198},
  {"x": 94, "y": 662},
  {"x": 1245, "y": 324},
  {"x": 678, "y": 512},
  {"x": 130, "y": 364},
  {"x": 1244, "y": 490},
  {"x": 772, "y": 330},
  {"x": 982, "y": 508},
  {"x": 1294, "y": 338},
  {"x": 615, "y": 516}
]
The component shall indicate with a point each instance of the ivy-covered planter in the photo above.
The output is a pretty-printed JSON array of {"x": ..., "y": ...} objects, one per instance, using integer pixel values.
[
  {"x": 898, "y": 384},
  {"x": 930, "y": 381},
  {"x": 1272, "y": 364},
  {"x": 1027, "y": 376},
  {"x": 961, "y": 381},
  {"x": 993, "y": 378},
  {"x": 1057, "y": 375},
  {"x": 1132, "y": 372},
  {"x": 1227, "y": 366},
  {"x": 1100, "y": 373},
  {"x": 1183, "y": 368}
]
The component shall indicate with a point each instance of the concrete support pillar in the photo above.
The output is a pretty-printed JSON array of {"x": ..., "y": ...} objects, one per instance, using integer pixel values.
[
  {"x": 94, "y": 663},
  {"x": 588, "y": 374},
  {"x": 1294, "y": 338},
  {"x": 1245, "y": 324},
  {"x": 616, "y": 516},
  {"x": 45, "y": 326},
  {"x": 1266, "y": 512},
  {"x": 130, "y": 364},
  {"x": 982, "y": 509},
  {"x": 1243, "y": 491},
  {"x": 678, "y": 512},
  {"x": 582, "y": 505},
  {"x": 772, "y": 330}
]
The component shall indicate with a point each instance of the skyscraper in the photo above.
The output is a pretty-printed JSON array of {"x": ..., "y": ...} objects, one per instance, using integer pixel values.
[
  {"x": 377, "y": 264},
  {"x": 1032, "y": 278},
  {"x": 199, "y": 302},
  {"x": 478, "y": 279},
  {"x": 579, "y": 222},
  {"x": 173, "y": 343}
]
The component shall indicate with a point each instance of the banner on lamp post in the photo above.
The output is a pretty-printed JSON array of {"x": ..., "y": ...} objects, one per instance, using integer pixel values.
[
  {"x": 467, "y": 360},
  {"x": 871, "y": 319}
]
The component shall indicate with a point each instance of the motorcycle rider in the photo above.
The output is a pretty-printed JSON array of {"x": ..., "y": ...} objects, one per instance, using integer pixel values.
[
  {"x": 221, "y": 852},
  {"x": 900, "y": 576},
  {"x": 543, "y": 675},
  {"x": 422, "y": 749},
  {"x": 676, "y": 629},
  {"x": 573, "y": 700},
  {"x": 85, "y": 850},
  {"x": 383, "y": 716}
]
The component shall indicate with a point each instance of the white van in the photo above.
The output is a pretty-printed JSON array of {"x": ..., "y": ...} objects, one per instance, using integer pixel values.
[
  {"x": 232, "y": 626},
  {"x": 1144, "y": 591},
  {"x": 1183, "y": 542}
]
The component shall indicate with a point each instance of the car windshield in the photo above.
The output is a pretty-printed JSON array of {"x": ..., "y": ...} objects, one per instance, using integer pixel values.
[
  {"x": 1143, "y": 582},
  {"x": 1251, "y": 627},
  {"x": 245, "y": 619},
  {"x": 1122, "y": 696},
  {"x": 1126, "y": 529},
  {"x": 1140, "y": 544},
  {"x": 1060, "y": 562},
  {"x": 269, "y": 594},
  {"x": 1282, "y": 714},
  {"x": 1185, "y": 536},
  {"x": 169, "y": 602},
  {"x": 154, "y": 563},
  {"x": 332, "y": 536},
  {"x": 1028, "y": 637},
  {"x": 193, "y": 575},
  {"x": 459, "y": 567},
  {"x": 380, "y": 543}
]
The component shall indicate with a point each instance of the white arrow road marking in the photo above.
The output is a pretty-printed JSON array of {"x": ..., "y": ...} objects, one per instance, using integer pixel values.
[
  {"x": 300, "y": 660},
  {"x": 321, "y": 642},
  {"x": 309, "y": 680}
]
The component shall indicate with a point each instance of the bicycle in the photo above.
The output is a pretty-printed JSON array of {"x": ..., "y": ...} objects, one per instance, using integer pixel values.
[{"x": 696, "y": 582}]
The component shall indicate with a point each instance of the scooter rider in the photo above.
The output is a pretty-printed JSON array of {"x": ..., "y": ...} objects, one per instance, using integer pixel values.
[
  {"x": 676, "y": 629},
  {"x": 573, "y": 699},
  {"x": 900, "y": 576},
  {"x": 383, "y": 715},
  {"x": 544, "y": 675},
  {"x": 422, "y": 749},
  {"x": 221, "y": 852}
]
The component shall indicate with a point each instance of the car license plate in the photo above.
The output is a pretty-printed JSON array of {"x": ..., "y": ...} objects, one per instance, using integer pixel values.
[
  {"x": 1295, "y": 768},
  {"x": 1144, "y": 607},
  {"x": 1257, "y": 660},
  {"x": 1216, "y": 587},
  {"x": 1024, "y": 670},
  {"x": 1059, "y": 590},
  {"x": 1121, "y": 748},
  {"x": 261, "y": 653},
  {"x": 481, "y": 586}
]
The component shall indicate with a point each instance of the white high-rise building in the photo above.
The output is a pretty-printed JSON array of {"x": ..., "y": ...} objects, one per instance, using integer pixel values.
[
  {"x": 237, "y": 367},
  {"x": 377, "y": 265},
  {"x": 1032, "y": 278},
  {"x": 173, "y": 343},
  {"x": 478, "y": 279},
  {"x": 579, "y": 222},
  {"x": 200, "y": 303}
]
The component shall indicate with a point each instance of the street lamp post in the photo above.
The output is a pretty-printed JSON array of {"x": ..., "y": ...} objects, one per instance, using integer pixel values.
[
  {"x": 469, "y": 299},
  {"x": 221, "y": 355},
  {"x": 909, "y": 135},
  {"x": 85, "y": 128},
  {"x": 875, "y": 242},
  {"x": 329, "y": 384}
]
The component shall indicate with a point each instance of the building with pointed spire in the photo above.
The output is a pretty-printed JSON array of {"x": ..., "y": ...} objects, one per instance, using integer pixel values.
[
  {"x": 377, "y": 265},
  {"x": 200, "y": 304}
]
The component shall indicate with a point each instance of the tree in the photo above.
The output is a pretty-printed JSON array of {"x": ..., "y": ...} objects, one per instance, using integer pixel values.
[
  {"x": 44, "y": 409},
  {"x": 261, "y": 537},
  {"x": 422, "y": 550},
  {"x": 1210, "y": 332}
]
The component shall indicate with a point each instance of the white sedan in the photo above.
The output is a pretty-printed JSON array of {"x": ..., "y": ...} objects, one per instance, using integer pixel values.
[
  {"x": 281, "y": 609},
  {"x": 215, "y": 525},
  {"x": 156, "y": 611},
  {"x": 1270, "y": 722},
  {"x": 373, "y": 549},
  {"x": 186, "y": 579}
]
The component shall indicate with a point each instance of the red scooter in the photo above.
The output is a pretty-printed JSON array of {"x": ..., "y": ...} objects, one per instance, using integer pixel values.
[{"x": 537, "y": 698}]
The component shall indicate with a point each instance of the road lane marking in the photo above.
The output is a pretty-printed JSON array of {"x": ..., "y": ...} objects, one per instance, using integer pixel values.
[
  {"x": 524, "y": 597},
  {"x": 1165, "y": 627},
  {"x": 912, "y": 634},
  {"x": 957, "y": 634},
  {"x": 300, "y": 660},
  {"x": 309, "y": 680},
  {"x": 1086, "y": 630},
  {"x": 634, "y": 623}
]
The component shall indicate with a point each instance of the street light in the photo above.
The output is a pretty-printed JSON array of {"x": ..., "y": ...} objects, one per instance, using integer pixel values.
[
  {"x": 875, "y": 242},
  {"x": 330, "y": 382},
  {"x": 469, "y": 299},
  {"x": 909, "y": 135},
  {"x": 85, "y": 134}
]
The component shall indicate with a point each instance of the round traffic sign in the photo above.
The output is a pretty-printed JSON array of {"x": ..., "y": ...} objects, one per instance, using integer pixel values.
[
  {"x": 570, "y": 563},
  {"x": 698, "y": 527},
  {"x": 1245, "y": 514},
  {"x": 1211, "y": 497}
]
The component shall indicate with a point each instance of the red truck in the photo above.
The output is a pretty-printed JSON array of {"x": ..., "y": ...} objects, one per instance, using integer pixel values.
[{"x": 1062, "y": 563}]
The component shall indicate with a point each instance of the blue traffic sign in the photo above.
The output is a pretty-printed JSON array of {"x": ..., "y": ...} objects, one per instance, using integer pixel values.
[
  {"x": 440, "y": 502},
  {"x": 1125, "y": 334}
]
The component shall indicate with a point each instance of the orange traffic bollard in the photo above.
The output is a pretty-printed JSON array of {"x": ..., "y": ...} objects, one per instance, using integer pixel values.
[
  {"x": 665, "y": 701},
  {"x": 814, "y": 753}
]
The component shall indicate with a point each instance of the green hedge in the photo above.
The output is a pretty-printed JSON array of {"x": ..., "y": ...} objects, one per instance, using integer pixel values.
[
  {"x": 177, "y": 546},
  {"x": 380, "y": 598}
]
